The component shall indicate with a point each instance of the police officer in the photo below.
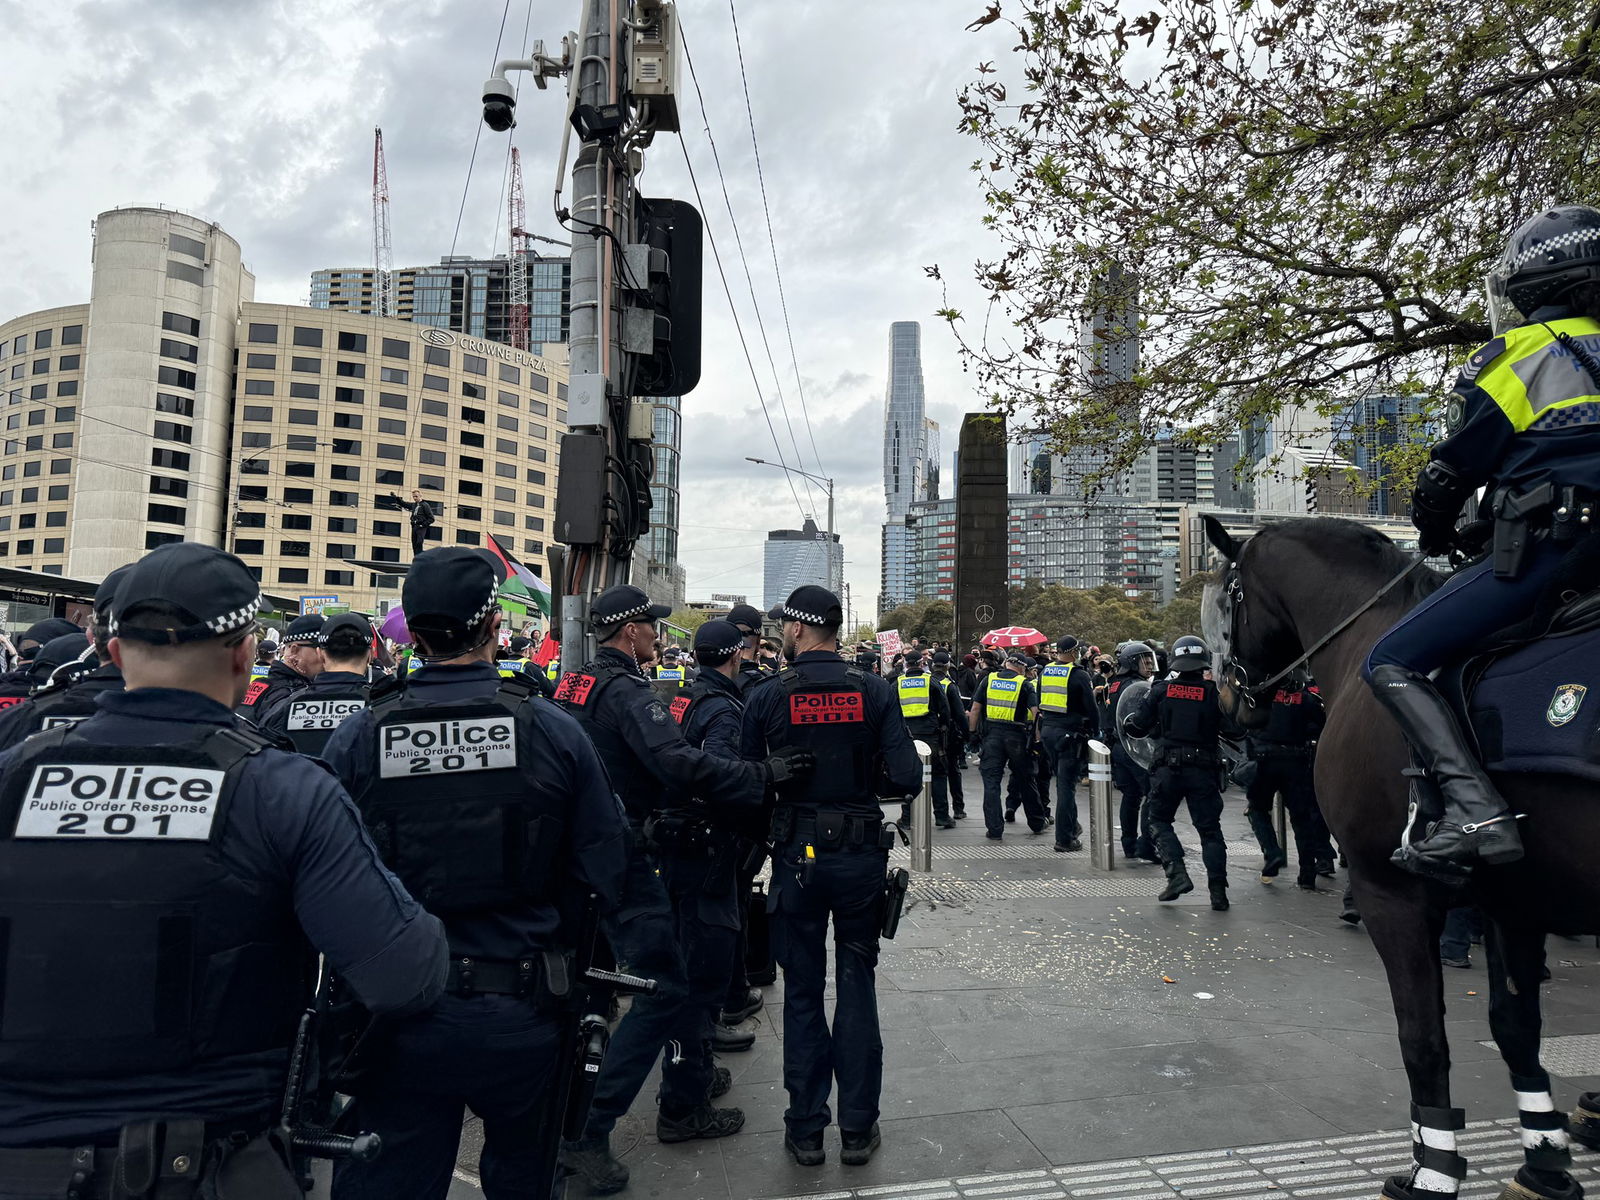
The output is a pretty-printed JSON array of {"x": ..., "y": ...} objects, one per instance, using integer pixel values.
[
  {"x": 1002, "y": 717},
  {"x": 295, "y": 670},
  {"x": 955, "y": 734},
  {"x": 1282, "y": 752},
  {"x": 1519, "y": 425},
  {"x": 672, "y": 671},
  {"x": 76, "y": 699},
  {"x": 512, "y": 663},
  {"x": 1067, "y": 716},
  {"x": 492, "y": 807},
  {"x": 147, "y": 1040},
  {"x": 309, "y": 716},
  {"x": 17, "y": 683},
  {"x": 1183, "y": 713},
  {"x": 266, "y": 655},
  {"x": 830, "y": 854},
  {"x": 927, "y": 716},
  {"x": 1135, "y": 660},
  {"x": 747, "y": 618},
  {"x": 645, "y": 754}
]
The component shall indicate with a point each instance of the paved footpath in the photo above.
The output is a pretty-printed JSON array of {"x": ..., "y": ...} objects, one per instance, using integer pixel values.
[{"x": 1052, "y": 1031}]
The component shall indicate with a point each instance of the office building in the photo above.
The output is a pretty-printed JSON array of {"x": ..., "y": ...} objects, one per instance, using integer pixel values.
[
  {"x": 175, "y": 407},
  {"x": 793, "y": 557},
  {"x": 1370, "y": 430},
  {"x": 664, "y": 575},
  {"x": 1109, "y": 342},
  {"x": 907, "y": 467}
]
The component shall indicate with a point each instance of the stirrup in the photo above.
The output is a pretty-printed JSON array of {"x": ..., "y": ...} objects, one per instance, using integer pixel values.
[{"x": 1435, "y": 870}]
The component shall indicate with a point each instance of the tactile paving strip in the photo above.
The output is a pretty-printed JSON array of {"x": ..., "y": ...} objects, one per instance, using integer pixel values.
[
  {"x": 1341, "y": 1168},
  {"x": 1575, "y": 1054}
]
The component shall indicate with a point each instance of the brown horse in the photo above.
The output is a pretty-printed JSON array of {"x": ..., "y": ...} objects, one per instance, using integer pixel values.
[{"x": 1281, "y": 593}]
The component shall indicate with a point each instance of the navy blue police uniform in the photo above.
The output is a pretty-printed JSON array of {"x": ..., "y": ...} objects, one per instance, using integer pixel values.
[
  {"x": 1004, "y": 703},
  {"x": 282, "y": 680},
  {"x": 1130, "y": 779},
  {"x": 24, "y": 678},
  {"x": 162, "y": 938},
  {"x": 1283, "y": 752},
  {"x": 646, "y": 755},
  {"x": 830, "y": 853},
  {"x": 308, "y": 717},
  {"x": 955, "y": 734},
  {"x": 1067, "y": 716},
  {"x": 492, "y": 807}
]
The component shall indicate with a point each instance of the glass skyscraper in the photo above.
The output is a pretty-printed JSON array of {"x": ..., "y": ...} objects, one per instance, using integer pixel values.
[{"x": 906, "y": 468}]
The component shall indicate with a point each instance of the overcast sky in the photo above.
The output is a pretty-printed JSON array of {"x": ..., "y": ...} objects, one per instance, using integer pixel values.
[{"x": 259, "y": 116}]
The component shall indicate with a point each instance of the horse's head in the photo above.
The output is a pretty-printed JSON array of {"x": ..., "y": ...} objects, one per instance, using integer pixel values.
[{"x": 1250, "y": 642}]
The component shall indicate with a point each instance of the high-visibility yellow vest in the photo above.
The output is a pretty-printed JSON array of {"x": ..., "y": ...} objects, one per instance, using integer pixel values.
[
  {"x": 510, "y": 667},
  {"x": 1002, "y": 698},
  {"x": 1053, "y": 681},
  {"x": 412, "y": 664},
  {"x": 671, "y": 675},
  {"x": 260, "y": 671},
  {"x": 1533, "y": 380},
  {"x": 552, "y": 669},
  {"x": 914, "y": 695}
]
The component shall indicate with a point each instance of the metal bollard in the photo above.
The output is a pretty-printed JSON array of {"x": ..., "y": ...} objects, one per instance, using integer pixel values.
[
  {"x": 922, "y": 814},
  {"x": 1103, "y": 831}
]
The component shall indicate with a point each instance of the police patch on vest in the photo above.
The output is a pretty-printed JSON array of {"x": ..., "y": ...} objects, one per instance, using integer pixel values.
[
  {"x": 437, "y": 747},
  {"x": 253, "y": 692},
  {"x": 61, "y": 722},
  {"x": 1565, "y": 703},
  {"x": 574, "y": 688},
  {"x": 7, "y": 701},
  {"x": 321, "y": 714},
  {"x": 680, "y": 706},
  {"x": 1185, "y": 691},
  {"x": 134, "y": 801},
  {"x": 826, "y": 708}
]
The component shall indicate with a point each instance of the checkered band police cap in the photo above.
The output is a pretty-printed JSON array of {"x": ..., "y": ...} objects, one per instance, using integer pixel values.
[
  {"x": 457, "y": 583},
  {"x": 624, "y": 602},
  {"x": 718, "y": 637},
  {"x": 304, "y": 631},
  {"x": 810, "y": 605},
  {"x": 205, "y": 593}
]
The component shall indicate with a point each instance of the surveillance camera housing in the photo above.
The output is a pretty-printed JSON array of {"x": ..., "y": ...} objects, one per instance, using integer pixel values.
[{"x": 499, "y": 104}]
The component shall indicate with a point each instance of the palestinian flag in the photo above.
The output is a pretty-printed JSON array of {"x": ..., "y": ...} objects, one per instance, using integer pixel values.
[{"x": 519, "y": 579}]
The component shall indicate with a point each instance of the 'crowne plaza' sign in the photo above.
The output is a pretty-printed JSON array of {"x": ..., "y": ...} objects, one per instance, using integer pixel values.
[{"x": 435, "y": 336}]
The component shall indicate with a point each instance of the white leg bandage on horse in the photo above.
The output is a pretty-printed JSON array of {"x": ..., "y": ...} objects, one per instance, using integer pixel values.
[
  {"x": 1545, "y": 1143},
  {"x": 1438, "y": 1169}
]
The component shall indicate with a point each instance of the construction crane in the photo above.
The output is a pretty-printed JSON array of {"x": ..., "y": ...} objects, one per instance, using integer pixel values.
[
  {"x": 382, "y": 251},
  {"x": 520, "y": 248}
]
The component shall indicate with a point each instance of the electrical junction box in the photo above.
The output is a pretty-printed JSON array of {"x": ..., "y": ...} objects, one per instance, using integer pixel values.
[
  {"x": 641, "y": 421},
  {"x": 581, "y": 490},
  {"x": 654, "y": 63},
  {"x": 586, "y": 401}
]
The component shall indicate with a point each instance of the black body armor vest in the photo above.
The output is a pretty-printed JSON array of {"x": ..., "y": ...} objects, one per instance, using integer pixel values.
[
  {"x": 314, "y": 713},
  {"x": 1189, "y": 714},
  {"x": 62, "y": 707},
  {"x": 830, "y": 720}
]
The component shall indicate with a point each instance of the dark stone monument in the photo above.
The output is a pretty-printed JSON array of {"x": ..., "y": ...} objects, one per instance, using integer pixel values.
[{"x": 982, "y": 529}]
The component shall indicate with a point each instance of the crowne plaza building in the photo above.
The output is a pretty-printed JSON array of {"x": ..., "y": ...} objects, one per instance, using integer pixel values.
[{"x": 173, "y": 406}]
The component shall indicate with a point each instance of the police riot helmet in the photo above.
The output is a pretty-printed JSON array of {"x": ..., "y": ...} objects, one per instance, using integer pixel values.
[
  {"x": 1552, "y": 258},
  {"x": 1129, "y": 654},
  {"x": 1189, "y": 653}
]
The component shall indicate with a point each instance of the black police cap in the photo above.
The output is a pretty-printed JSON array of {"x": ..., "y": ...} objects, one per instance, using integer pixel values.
[
  {"x": 304, "y": 631},
  {"x": 64, "y": 649},
  {"x": 106, "y": 594},
  {"x": 520, "y": 644},
  {"x": 457, "y": 583},
  {"x": 46, "y": 630},
  {"x": 1067, "y": 643},
  {"x": 624, "y": 602},
  {"x": 746, "y": 618},
  {"x": 208, "y": 594},
  {"x": 718, "y": 637},
  {"x": 810, "y": 605},
  {"x": 941, "y": 658},
  {"x": 349, "y": 620}
]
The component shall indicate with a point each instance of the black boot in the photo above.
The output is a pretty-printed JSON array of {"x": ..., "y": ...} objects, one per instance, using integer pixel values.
[
  {"x": 1178, "y": 881},
  {"x": 1219, "y": 895},
  {"x": 1476, "y": 827},
  {"x": 1272, "y": 855}
]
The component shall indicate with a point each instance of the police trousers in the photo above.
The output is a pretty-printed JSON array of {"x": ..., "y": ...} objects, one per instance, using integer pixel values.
[
  {"x": 1196, "y": 785},
  {"x": 1005, "y": 744},
  {"x": 706, "y": 906},
  {"x": 938, "y": 771},
  {"x": 1063, "y": 753},
  {"x": 1133, "y": 783},
  {"x": 644, "y": 934},
  {"x": 1289, "y": 775},
  {"x": 955, "y": 747},
  {"x": 847, "y": 887},
  {"x": 494, "y": 1055}
]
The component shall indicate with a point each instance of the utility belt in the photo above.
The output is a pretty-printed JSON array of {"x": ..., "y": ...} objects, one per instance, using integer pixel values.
[
  {"x": 1265, "y": 750},
  {"x": 545, "y": 977},
  {"x": 1563, "y": 514},
  {"x": 832, "y": 830},
  {"x": 157, "y": 1160},
  {"x": 1188, "y": 756}
]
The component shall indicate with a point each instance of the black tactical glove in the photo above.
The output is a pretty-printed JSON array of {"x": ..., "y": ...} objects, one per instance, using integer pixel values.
[
  {"x": 790, "y": 765},
  {"x": 1435, "y": 540}
]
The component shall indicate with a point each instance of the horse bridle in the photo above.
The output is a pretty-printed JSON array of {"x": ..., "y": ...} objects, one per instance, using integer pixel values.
[{"x": 1237, "y": 674}]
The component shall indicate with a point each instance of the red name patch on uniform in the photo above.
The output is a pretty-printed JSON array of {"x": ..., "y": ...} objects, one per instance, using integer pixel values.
[
  {"x": 8, "y": 701},
  {"x": 826, "y": 708},
  {"x": 679, "y": 706},
  {"x": 253, "y": 692},
  {"x": 575, "y": 688},
  {"x": 1185, "y": 691}
]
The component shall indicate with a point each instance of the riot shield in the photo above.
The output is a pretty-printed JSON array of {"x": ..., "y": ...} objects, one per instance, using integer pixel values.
[{"x": 1141, "y": 749}]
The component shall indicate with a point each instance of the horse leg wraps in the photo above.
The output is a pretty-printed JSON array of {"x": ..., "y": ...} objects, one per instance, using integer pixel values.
[
  {"x": 1545, "y": 1144},
  {"x": 1437, "y": 1169}
]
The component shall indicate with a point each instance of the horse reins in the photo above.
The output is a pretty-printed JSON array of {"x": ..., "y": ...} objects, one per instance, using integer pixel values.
[{"x": 1235, "y": 593}]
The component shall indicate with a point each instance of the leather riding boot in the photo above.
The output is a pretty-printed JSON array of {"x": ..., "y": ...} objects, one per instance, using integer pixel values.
[
  {"x": 1476, "y": 827},
  {"x": 1178, "y": 881}
]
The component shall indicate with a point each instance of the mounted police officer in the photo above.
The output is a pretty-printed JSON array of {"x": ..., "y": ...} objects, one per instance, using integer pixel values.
[
  {"x": 491, "y": 806},
  {"x": 1283, "y": 754},
  {"x": 1002, "y": 717},
  {"x": 830, "y": 854},
  {"x": 295, "y": 670},
  {"x": 927, "y": 715},
  {"x": 646, "y": 756},
  {"x": 1135, "y": 661},
  {"x": 1183, "y": 713},
  {"x": 309, "y": 716},
  {"x": 1522, "y": 425},
  {"x": 955, "y": 737},
  {"x": 1067, "y": 716},
  {"x": 161, "y": 941}
]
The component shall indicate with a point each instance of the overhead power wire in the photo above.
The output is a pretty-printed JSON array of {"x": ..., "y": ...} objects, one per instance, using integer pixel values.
[
  {"x": 772, "y": 243},
  {"x": 477, "y": 133}
]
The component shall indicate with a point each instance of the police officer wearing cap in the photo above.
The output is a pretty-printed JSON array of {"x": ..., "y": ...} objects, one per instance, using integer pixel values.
[
  {"x": 493, "y": 808},
  {"x": 161, "y": 944},
  {"x": 830, "y": 854},
  {"x": 1002, "y": 717},
  {"x": 74, "y": 699},
  {"x": 747, "y": 619},
  {"x": 1067, "y": 716},
  {"x": 955, "y": 734},
  {"x": 295, "y": 670},
  {"x": 309, "y": 716},
  {"x": 927, "y": 716},
  {"x": 646, "y": 755},
  {"x": 512, "y": 661},
  {"x": 23, "y": 679},
  {"x": 1182, "y": 712}
]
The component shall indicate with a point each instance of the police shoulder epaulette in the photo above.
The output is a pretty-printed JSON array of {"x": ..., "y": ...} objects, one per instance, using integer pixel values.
[
  {"x": 382, "y": 689},
  {"x": 517, "y": 688},
  {"x": 252, "y": 739},
  {"x": 1481, "y": 358},
  {"x": 790, "y": 674},
  {"x": 855, "y": 674}
]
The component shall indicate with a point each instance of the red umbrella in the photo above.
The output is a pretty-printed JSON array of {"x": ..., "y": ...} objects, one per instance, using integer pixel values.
[{"x": 1013, "y": 635}]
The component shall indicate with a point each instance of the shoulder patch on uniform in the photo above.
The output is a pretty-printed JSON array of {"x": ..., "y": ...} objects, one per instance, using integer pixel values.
[
  {"x": 658, "y": 712},
  {"x": 1455, "y": 413}
]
